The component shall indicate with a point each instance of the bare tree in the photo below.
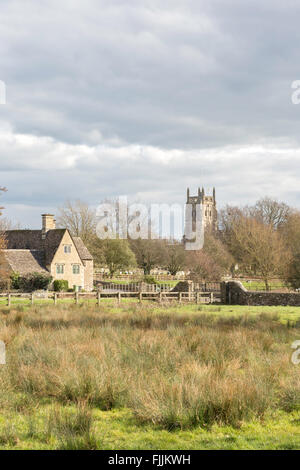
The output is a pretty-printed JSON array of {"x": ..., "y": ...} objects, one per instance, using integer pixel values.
[
  {"x": 270, "y": 212},
  {"x": 229, "y": 218},
  {"x": 3, "y": 189},
  {"x": 7, "y": 224},
  {"x": 202, "y": 266},
  {"x": 259, "y": 247},
  {"x": 266, "y": 210},
  {"x": 78, "y": 218},
  {"x": 218, "y": 252},
  {"x": 291, "y": 233},
  {"x": 175, "y": 257}
]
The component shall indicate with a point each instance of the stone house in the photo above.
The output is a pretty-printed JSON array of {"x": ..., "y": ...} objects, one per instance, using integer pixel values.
[{"x": 50, "y": 251}]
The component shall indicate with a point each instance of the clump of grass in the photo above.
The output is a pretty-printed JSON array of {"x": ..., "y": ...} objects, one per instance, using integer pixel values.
[
  {"x": 201, "y": 398},
  {"x": 289, "y": 397},
  {"x": 73, "y": 430},
  {"x": 32, "y": 427},
  {"x": 8, "y": 435}
]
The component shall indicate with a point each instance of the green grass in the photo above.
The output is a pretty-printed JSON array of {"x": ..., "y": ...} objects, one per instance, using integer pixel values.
[
  {"x": 149, "y": 377},
  {"x": 257, "y": 285},
  {"x": 117, "y": 429},
  {"x": 285, "y": 313}
]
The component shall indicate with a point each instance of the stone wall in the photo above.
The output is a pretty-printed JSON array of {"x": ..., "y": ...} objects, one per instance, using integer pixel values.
[
  {"x": 88, "y": 274},
  {"x": 183, "y": 286},
  {"x": 234, "y": 293}
]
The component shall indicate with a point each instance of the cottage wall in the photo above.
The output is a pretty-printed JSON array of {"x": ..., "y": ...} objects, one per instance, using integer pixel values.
[
  {"x": 88, "y": 275},
  {"x": 68, "y": 259}
]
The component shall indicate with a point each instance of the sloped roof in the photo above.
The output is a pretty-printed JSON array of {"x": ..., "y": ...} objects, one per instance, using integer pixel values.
[
  {"x": 32, "y": 240},
  {"x": 51, "y": 243},
  {"x": 25, "y": 261},
  {"x": 24, "y": 239},
  {"x": 82, "y": 249}
]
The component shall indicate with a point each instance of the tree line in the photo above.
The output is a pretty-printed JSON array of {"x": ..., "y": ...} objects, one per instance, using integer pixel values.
[{"x": 262, "y": 240}]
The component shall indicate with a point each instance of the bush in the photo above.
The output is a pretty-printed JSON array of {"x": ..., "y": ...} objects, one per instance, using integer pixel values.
[
  {"x": 15, "y": 280},
  {"x": 34, "y": 281},
  {"x": 150, "y": 279},
  {"x": 60, "y": 285}
]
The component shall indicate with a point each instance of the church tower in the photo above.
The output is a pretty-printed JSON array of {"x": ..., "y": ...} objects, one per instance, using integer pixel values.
[{"x": 209, "y": 209}]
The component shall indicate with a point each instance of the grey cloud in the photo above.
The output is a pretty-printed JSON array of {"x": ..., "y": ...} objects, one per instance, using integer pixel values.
[
  {"x": 146, "y": 97},
  {"x": 146, "y": 70}
]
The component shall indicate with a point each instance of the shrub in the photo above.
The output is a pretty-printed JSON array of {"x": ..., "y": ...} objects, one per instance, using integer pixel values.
[
  {"x": 150, "y": 279},
  {"x": 15, "y": 280},
  {"x": 34, "y": 281},
  {"x": 60, "y": 285}
]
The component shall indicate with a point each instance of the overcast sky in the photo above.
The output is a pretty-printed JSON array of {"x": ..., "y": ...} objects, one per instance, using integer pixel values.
[{"x": 146, "y": 97}]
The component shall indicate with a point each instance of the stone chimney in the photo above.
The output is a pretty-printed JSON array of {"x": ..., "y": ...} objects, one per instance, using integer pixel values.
[{"x": 48, "y": 223}]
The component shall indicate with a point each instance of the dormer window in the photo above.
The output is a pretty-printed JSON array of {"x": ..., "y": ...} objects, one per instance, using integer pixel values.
[{"x": 67, "y": 248}]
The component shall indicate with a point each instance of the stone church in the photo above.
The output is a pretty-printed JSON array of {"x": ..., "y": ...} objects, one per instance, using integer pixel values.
[{"x": 208, "y": 212}]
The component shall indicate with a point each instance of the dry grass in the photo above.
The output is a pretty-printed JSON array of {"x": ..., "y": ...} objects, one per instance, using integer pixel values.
[
  {"x": 73, "y": 430},
  {"x": 171, "y": 370}
]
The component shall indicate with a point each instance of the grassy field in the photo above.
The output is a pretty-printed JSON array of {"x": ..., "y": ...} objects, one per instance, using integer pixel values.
[
  {"x": 259, "y": 285},
  {"x": 149, "y": 377}
]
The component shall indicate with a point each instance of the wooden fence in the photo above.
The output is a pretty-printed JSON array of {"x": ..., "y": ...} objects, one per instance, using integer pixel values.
[
  {"x": 193, "y": 297},
  {"x": 132, "y": 277},
  {"x": 142, "y": 286}
]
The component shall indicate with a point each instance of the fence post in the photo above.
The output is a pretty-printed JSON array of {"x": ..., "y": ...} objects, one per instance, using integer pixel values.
[
  {"x": 119, "y": 297},
  {"x": 160, "y": 297},
  {"x": 140, "y": 296},
  {"x": 180, "y": 297},
  {"x": 76, "y": 298},
  {"x": 32, "y": 298},
  {"x": 211, "y": 297},
  {"x": 8, "y": 300},
  {"x": 98, "y": 298},
  {"x": 55, "y": 298},
  {"x": 197, "y": 297}
]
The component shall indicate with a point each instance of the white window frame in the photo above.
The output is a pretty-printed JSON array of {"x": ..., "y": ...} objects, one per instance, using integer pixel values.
[
  {"x": 76, "y": 265},
  {"x": 60, "y": 268}
]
